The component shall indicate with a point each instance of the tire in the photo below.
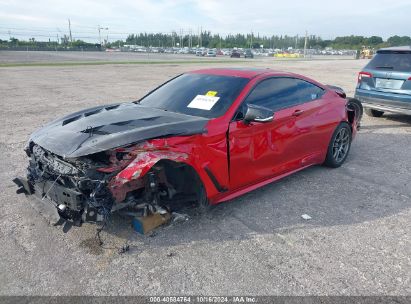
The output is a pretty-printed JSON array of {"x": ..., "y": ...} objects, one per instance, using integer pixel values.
[
  {"x": 356, "y": 105},
  {"x": 339, "y": 146},
  {"x": 374, "y": 113},
  {"x": 203, "y": 204}
]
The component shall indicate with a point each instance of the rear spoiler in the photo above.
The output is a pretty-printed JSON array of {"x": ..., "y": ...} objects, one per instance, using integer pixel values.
[{"x": 337, "y": 90}]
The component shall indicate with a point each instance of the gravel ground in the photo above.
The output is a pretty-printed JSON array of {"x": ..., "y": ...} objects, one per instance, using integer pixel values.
[{"x": 357, "y": 242}]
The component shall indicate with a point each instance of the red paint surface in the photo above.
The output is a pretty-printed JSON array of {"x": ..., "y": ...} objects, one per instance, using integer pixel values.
[{"x": 242, "y": 157}]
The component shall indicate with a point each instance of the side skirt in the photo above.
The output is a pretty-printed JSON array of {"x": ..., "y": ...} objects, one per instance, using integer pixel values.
[{"x": 238, "y": 192}]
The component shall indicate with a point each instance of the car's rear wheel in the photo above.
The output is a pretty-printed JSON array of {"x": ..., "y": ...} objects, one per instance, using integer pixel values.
[
  {"x": 356, "y": 105},
  {"x": 339, "y": 146},
  {"x": 374, "y": 113}
]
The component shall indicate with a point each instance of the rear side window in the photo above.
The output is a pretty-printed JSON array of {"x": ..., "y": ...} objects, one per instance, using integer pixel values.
[
  {"x": 395, "y": 61},
  {"x": 280, "y": 93}
]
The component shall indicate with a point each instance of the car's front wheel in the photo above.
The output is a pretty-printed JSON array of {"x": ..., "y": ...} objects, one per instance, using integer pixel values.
[
  {"x": 339, "y": 146},
  {"x": 374, "y": 113},
  {"x": 203, "y": 204}
]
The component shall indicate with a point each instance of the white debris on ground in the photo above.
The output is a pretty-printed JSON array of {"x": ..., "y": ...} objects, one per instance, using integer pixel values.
[
  {"x": 179, "y": 217},
  {"x": 306, "y": 217}
]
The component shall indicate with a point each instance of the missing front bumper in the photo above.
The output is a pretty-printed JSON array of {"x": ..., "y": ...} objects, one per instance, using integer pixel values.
[
  {"x": 55, "y": 202},
  {"x": 43, "y": 205}
]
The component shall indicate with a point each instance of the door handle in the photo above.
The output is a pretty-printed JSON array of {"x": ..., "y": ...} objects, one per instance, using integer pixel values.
[
  {"x": 298, "y": 112},
  {"x": 267, "y": 119}
]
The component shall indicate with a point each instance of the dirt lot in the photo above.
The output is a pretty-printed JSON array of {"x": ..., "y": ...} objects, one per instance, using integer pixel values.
[{"x": 357, "y": 242}]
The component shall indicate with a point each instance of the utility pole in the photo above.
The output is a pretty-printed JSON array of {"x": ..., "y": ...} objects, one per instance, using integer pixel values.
[
  {"x": 181, "y": 38},
  {"x": 99, "y": 32},
  {"x": 305, "y": 44},
  {"x": 71, "y": 37}
]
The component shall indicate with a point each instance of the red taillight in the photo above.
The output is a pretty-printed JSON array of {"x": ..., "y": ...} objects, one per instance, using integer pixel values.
[
  {"x": 362, "y": 75},
  {"x": 409, "y": 78}
]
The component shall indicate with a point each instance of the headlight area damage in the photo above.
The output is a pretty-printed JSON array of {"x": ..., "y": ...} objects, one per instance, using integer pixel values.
[{"x": 89, "y": 188}]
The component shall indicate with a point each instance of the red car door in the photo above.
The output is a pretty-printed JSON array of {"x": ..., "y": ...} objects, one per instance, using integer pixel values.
[
  {"x": 315, "y": 122},
  {"x": 260, "y": 150},
  {"x": 314, "y": 126}
]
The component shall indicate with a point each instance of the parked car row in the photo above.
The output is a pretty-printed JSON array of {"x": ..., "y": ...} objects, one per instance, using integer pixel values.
[{"x": 247, "y": 53}]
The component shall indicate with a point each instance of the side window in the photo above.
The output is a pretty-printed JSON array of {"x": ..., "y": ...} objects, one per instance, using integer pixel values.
[
  {"x": 281, "y": 92},
  {"x": 307, "y": 91}
]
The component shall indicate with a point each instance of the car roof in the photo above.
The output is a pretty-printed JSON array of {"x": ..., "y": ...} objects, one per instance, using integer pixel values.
[
  {"x": 243, "y": 72},
  {"x": 396, "y": 49}
]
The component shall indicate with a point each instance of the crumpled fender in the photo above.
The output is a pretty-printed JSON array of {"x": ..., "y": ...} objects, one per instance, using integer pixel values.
[
  {"x": 146, "y": 160},
  {"x": 185, "y": 150},
  {"x": 131, "y": 177}
]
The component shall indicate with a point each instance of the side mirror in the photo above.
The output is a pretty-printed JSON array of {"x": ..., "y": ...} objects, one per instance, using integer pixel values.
[{"x": 258, "y": 114}]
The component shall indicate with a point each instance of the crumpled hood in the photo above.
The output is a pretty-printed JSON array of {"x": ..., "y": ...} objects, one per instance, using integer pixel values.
[{"x": 106, "y": 127}]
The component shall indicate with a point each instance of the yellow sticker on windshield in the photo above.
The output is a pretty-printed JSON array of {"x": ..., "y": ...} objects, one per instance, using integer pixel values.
[{"x": 211, "y": 93}]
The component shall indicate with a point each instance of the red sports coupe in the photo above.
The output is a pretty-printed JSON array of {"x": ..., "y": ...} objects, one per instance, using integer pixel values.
[{"x": 205, "y": 136}]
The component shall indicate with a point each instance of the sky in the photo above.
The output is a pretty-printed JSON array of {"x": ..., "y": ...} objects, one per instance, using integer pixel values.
[{"x": 44, "y": 19}]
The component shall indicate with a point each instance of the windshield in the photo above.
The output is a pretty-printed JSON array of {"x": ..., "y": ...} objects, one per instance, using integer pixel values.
[
  {"x": 196, "y": 94},
  {"x": 395, "y": 61}
]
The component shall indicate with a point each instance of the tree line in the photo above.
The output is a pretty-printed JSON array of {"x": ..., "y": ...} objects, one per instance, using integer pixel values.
[{"x": 209, "y": 40}]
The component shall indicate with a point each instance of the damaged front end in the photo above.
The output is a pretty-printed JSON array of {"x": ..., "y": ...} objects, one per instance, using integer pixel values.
[
  {"x": 89, "y": 188},
  {"x": 88, "y": 164},
  {"x": 74, "y": 188}
]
